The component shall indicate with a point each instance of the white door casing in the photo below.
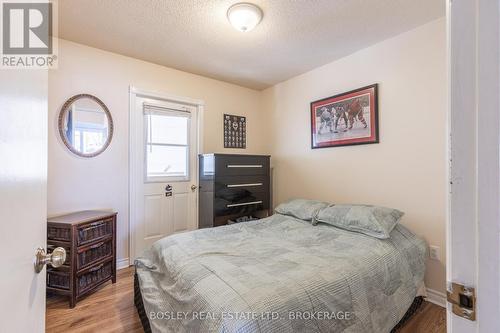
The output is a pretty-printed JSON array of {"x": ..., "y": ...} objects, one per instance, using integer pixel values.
[
  {"x": 23, "y": 197},
  {"x": 153, "y": 214},
  {"x": 473, "y": 232}
]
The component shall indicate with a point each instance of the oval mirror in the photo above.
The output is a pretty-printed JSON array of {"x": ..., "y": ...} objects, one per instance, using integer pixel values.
[{"x": 85, "y": 125}]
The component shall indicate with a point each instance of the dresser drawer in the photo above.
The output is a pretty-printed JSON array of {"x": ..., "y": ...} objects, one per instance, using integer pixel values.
[
  {"x": 252, "y": 183},
  {"x": 251, "y": 202},
  {"x": 58, "y": 278},
  {"x": 241, "y": 165},
  {"x": 90, "y": 254},
  {"x": 93, "y": 276},
  {"x": 94, "y": 231}
]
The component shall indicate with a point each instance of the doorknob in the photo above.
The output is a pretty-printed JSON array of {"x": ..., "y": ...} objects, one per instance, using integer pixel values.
[
  {"x": 55, "y": 259},
  {"x": 193, "y": 187}
]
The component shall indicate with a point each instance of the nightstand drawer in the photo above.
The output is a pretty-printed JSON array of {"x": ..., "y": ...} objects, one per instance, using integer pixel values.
[
  {"x": 58, "y": 278},
  {"x": 90, "y": 254},
  {"x": 94, "y": 276},
  {"x": 94, "y": 231},
  {"x": 59, "y": 233}
]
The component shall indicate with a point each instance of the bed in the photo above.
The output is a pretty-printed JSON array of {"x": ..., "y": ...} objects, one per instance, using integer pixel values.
[{"x": 279, "y": 274}]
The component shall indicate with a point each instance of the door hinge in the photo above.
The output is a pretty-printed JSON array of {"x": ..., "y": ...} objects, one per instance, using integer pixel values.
[{"x": 462, "y": 299}]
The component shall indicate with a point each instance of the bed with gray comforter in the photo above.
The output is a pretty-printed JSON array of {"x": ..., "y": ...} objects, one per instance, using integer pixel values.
[{"x": 280, "y": 274}]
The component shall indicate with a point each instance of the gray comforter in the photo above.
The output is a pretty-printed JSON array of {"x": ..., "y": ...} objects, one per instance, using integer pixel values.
[{"x": 280, "y": 274}]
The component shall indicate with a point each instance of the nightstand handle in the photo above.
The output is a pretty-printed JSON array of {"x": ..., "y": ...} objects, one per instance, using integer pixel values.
[
  {"x": 96, "y": 268},
  {"x": 96, "y": 245}
]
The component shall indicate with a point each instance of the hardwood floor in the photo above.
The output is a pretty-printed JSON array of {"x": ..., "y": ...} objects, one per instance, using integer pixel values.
[
  {"x": 430, "y": 318},
  {"x": 111, "y": 309}
]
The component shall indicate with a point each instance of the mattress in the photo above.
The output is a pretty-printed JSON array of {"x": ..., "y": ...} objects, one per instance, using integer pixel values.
[{"x": 280, "y": 274}]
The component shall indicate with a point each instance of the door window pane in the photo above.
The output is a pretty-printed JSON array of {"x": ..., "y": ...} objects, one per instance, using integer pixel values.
[
  {"x": 166, "y": 145},
  {"x": 167, "y": 161},
  {"x": 167, "y": 129}
]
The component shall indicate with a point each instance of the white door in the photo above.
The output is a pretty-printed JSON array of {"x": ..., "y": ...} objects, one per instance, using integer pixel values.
[
  {"x": 473, "y": 251},
  {"x": 165, "y": 175},
  {"x": 23, "y": 198}
]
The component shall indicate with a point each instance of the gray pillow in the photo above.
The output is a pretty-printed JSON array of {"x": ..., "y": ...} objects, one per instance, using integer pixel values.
[
  {"x": 301, "y": 208},
  {"x": 373, "y": 221}
]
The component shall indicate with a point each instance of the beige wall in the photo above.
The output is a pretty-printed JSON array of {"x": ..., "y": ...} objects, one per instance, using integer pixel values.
[
  {"x": 102, "y": 182},
  {"x": 407, "y": 169}
]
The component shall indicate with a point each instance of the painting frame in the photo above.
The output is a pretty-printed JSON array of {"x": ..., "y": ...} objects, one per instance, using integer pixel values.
[{"x": 372, "y": 124}]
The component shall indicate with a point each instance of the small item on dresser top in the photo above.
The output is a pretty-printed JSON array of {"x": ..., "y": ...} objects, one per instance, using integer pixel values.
[{"x": 89, "y": 238}]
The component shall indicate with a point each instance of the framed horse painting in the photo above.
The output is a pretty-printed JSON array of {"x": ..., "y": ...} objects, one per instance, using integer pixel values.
[{"x": 350, "y": 118}]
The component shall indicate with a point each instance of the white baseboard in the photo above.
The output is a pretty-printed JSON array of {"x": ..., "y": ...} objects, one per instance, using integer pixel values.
[
  {"x": 122, "y": 263},
  {"x": 436, "y": 297}
]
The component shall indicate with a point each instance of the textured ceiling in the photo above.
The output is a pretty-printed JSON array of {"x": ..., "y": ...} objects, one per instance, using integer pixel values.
[{"x": 195, "y": 36}]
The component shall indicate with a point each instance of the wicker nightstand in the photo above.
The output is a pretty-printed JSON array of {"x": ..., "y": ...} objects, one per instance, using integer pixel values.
[{"x": 89, "y": 238}]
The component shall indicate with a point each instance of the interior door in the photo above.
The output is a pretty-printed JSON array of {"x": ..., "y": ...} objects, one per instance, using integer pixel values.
[
  {"x": 166, "y": 174},
  {"x": 473, "y": 232},
  {"x": 23, "y": 198}
]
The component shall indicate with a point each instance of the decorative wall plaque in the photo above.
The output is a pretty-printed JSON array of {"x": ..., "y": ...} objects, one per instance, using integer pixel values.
[{"x": 235, "y": 131}]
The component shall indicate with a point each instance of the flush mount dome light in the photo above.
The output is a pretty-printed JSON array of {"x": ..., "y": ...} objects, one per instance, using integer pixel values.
[{"x": 244, "y": 16}]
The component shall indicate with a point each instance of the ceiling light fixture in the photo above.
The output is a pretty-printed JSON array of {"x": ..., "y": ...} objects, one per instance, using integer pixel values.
[{"x": 244, "y": 16}]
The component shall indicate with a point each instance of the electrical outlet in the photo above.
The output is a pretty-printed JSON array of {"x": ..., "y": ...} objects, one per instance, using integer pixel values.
[{"x": 434, "y": 252}]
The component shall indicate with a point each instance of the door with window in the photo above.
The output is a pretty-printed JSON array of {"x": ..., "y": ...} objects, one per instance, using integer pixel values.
[{"x": 164, "y": 180}]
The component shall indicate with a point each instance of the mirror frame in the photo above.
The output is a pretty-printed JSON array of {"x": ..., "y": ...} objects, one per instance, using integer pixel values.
[{"x": 60, "y": 124}]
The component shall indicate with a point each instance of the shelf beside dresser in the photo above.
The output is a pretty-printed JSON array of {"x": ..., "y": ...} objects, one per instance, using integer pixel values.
[
  {"x": 231, "y": 186},
  {"x": 89, "y": 238}
]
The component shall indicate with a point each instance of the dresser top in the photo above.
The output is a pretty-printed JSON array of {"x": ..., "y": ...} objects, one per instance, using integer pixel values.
[{"x": 80, "y": 217}]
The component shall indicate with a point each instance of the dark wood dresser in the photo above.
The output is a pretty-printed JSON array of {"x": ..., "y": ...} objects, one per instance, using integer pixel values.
[
  {"x": 232, "y": 186},
  {"x": 89, "y": 238}
]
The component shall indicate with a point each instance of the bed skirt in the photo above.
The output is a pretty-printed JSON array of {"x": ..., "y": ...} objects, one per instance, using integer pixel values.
[{"x": 139, "y": 304}]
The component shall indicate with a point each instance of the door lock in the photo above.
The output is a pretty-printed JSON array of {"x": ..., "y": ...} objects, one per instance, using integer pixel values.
[
  {"x": 168, "y": 190},
  {"x": 463, "y": 300}
]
